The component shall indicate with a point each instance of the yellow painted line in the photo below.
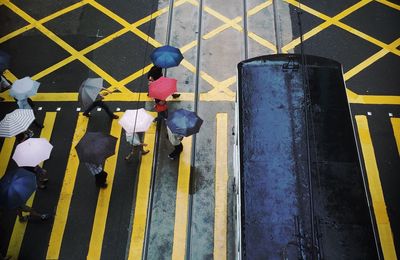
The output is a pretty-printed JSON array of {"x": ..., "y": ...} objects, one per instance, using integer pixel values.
[
  {"x": 5, "y": 154},
  {"x": 182, "y": 201},
  {"x": 188, "y": 46},
  {"x": 328, "y": 20},
  {"x": 62, "y": 44},
  {"x": 375, "y": 100},
  {"x": 262, "y": 41},
  {"x": 9, "y": 76},
  {"x": 110, "y": 14},
  {"x": 221, "y": 187},
  {"x": 352, "y": 72},
  {"x": 222, "y": 28},
  {"x": 18, "y": 233},
  {"x": 16, "y": 33},
  {"x": 142, "y": 198},
  {"x": 136, "y": 75},
  {"x": 375, "y": 188},
  {"x": 259, "y": 7},
  {"x": 223, "y": 18},
  {"x": 390, "y": 4},
  {"x": 396, "y": 131},
  {"x": 53, "y": 68},
  {"x": 103, "y": 201},
  {"x": 60, "y": 219}
]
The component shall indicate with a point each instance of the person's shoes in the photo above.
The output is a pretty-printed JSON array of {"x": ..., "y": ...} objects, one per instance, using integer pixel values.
[
  {"x": 103, "y": 186},
  {"x": 87, "y": 115},
  {"x": 24, "y": 218},
  {"x": 128, "y": 156},
  {"x": 44, "y": 180},
  {"x": 145, "y": 152},
  {"x": 44, "y": 216},
  {"x": 42, "y": 186},
  {"x": 176, "y": 95},
  {"x": 115, "y": 117},
  {"x": 171, "y": 157},
  {"x": 155, "y": 120}
]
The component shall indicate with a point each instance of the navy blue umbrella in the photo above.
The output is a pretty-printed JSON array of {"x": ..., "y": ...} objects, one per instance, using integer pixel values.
[
  {"x": 166, "y": 56},
  {"x": 184, "y": 122},
  {"x": 16, "y": 187},
  {"x": 4, "y": 61}
]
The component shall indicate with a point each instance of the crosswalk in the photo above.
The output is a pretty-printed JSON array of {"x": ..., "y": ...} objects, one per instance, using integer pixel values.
[{"x": 88, "y": 222}]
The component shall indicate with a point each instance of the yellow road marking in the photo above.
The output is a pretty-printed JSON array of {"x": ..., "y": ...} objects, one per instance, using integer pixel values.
[
  {"x": 9, "y": 76},
  {"x": 5, "y": 154},
  {"x": 328, "y": 20},
  {"x": 64, "y": 201},
  {"x": 372, "y": 99},
  {"x": 221, "y": 187},
  {"x": 396, "y": 131},
  {"x": 375, "y": 188},
  {"x": 16, "y": 33},
  {"x": 259, "y": 7},
  {"x": 223, "y": 27},
  {"x": 348, "y": 75},
  {"x": 103, "y": 201},
  {"x": 390, "y": 4},
  {"x": 18, "y": 233},
  {"x": 182, "y": 201},
  {"x": 142, "y": 198},
  {"x": 262, "y": 41}
]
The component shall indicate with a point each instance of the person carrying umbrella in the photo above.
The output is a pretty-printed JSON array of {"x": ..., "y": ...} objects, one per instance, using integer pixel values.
[
  {"x": 176, "y": 141},
  {"x": 22, "y": 90},
  {"x": 99, "y": 174},
  {"x": 155, "y": 73},
  {"x": 90, "y": 96}
]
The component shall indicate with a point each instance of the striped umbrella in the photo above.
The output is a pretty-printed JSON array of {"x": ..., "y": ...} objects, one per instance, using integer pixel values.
[{"x": 16, "y": 122}]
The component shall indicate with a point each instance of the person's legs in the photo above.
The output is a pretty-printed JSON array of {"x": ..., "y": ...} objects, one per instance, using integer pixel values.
[
  {"x": 176, "y": 152},
  {"x": 90, "y": 108},
  {"x": 101, "y": 179},
  {"x": 32, "y": 212},
  {"x": 107, "y": 109}
]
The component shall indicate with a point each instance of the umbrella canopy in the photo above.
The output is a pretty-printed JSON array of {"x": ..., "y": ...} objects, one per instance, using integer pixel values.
[
  {"x": 135, "y": 121},
  {"x": 166, "y": 56},
  {"x": 162, "y": 88},
  {"x": 32, "y": 152},
  {"x": 16, "y": 122},
  {"x": 95, "y": 147},
  {"x": 184, "y": 122},
  {"x": 4, "y": 61},
  {"x": 89, "y": 90},
  {"x": 24, "y": 88},
  {"x": 16, "y": 187}
]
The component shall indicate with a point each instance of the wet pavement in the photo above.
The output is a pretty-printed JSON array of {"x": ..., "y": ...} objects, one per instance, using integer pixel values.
[{"x": 162, "y": 209}]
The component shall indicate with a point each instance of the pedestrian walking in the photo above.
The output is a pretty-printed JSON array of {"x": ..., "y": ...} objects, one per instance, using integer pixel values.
[
  {"x": 134, "y": 140},
  {"x": 99, "y": 103},
  {"x": 100, "y": 175},
  {"x": 156, "y": 73},
  {"x": 41, "y": 176},
  {"x": 176, "y": 141},
  {"x": 27, "y": 103}
]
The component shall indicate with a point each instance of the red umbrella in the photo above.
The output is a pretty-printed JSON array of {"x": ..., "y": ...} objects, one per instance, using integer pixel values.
[{"x": 162, "y": 88}]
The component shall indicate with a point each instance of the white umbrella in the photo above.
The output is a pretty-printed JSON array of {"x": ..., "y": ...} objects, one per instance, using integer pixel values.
[
  {"x": 24, "y": 88},
  {"x": 16, "y": 122},
  {"x": 137, "y": 120},
  {"x": 32, "y": 152}
]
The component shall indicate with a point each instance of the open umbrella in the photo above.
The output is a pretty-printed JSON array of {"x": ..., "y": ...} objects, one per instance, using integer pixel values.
[
  {"x": 4, "y": 61},
  {"x": 32, "y": 152},
  {"x": 135, "y": 121},
  {"x": 166, "y": 56},
  {"x": 95, "y": 147},
  {"x": 16, "y": 122},
  {"x": 184, "y": 122},
  {"x": 24, "y": 88},
  {"x": 89, "y": 90},
  {"x": 16, "y": 187},
  {"x": 162, "y": 88}
]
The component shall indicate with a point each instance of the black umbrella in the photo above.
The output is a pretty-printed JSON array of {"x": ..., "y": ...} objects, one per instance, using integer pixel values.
[
  {"x": 95, "y": 147},
  {"x": 4, "y": 61},
  {"x": 16, "y": 187}
]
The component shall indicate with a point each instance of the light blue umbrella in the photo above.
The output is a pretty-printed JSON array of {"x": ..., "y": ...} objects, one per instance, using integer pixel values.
[
  {"x": 166, "y": 56},
  {"x": 24, "y": 88}
]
